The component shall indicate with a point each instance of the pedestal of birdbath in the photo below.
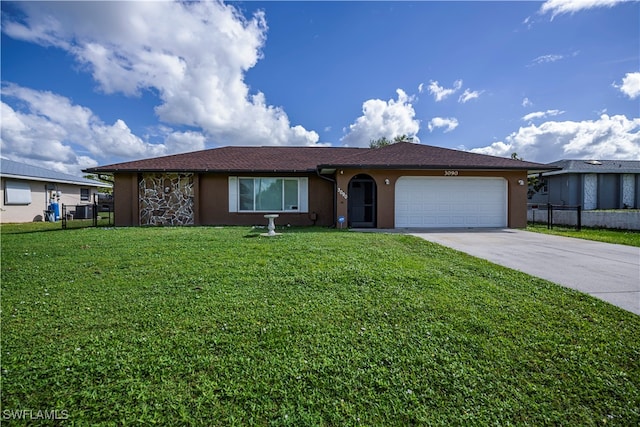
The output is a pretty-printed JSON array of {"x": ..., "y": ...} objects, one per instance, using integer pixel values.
[{"x": 272, "y": 226}]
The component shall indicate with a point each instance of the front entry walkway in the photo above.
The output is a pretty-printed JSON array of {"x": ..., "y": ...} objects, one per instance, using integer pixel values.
[{"x": 603, "y": 270}]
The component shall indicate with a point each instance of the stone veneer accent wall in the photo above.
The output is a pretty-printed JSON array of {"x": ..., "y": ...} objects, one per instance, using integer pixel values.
[{"x": 166, "y": 199}]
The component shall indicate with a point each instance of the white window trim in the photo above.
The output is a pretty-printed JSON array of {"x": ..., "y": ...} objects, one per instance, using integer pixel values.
[
  {"x": 233, "y": 194},
  {"x": 17, "y": 193},
  {"x": 303, "y": 194}
]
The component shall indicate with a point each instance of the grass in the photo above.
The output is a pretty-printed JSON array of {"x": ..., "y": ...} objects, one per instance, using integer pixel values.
[
  {"x": 103, "y": 221},
  {"x": 211, "y": 326},
  {"x": 620, "y": 237}
]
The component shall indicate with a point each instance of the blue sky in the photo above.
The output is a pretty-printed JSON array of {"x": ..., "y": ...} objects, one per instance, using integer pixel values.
[{"x": 94, "y": 83}]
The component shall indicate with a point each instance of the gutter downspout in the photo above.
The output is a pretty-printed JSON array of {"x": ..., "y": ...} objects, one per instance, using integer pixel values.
[{"x": 335, "y": 190}]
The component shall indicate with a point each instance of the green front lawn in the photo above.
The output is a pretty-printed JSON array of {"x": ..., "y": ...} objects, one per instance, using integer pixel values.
[
  {"x": 607, "y": 235},
  {"x": 219, "y": 326}
]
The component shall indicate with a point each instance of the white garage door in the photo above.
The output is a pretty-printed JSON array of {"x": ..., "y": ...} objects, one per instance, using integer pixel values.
[{"x": 451, "y": 202}]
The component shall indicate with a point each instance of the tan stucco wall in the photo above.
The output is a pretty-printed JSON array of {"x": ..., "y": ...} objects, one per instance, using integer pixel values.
[
  {"x": 125, "y": 199},
  {"x": 211, "y": 198},
  {"x": 516, "y": 194},
  {"x": 70, "y": 195},
  {"x": 212, "y": 201}
]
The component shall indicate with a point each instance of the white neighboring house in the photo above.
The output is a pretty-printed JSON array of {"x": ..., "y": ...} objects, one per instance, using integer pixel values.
[{"x": 28, "y": 190}]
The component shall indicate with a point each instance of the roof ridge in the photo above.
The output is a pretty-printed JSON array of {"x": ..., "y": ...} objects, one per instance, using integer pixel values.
[{"x": 298, "y": 159}]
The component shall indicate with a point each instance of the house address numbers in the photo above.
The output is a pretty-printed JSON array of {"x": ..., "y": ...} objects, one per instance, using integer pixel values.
[{"x": 450, "y": 173}]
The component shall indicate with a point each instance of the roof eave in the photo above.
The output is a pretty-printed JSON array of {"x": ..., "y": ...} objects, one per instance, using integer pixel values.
[
  {"x": 58, "y": 181},
  {"x": 429, "y": 167},
  {"x": 151, "y": 170},
  {"x": 585, "y": 172},
  {"x": 326, "y": 166}
]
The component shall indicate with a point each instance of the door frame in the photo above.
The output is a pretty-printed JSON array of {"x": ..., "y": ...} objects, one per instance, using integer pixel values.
[{"x": 371, "y": 201}]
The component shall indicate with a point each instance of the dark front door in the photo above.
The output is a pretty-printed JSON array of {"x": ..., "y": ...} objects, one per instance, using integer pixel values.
[{"x": 362, "y": 202}]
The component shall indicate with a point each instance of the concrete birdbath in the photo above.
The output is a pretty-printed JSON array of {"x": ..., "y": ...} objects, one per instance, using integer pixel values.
[{"x": 272, "y": 226}]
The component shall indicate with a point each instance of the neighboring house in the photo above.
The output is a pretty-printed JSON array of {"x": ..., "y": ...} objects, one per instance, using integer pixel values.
[
  {"x": 400, "y": 185},
  {"x": 27, "y": 191},
  {"x": 592, "y": 184}
]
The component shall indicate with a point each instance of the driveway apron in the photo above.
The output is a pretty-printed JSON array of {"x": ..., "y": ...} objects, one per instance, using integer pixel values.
[{"x": 606, "y": 271}]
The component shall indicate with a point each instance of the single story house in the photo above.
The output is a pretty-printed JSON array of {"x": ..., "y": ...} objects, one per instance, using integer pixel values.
[
  {"x": 592, "y": 184},
  {"x": 28, "y": 191},
  {"x": 396, "y": 186}
]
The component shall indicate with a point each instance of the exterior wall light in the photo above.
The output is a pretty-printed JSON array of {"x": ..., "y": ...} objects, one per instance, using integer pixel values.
[
  {"x": 386, "y": 181},
  {"x": 521, "y": 182}
]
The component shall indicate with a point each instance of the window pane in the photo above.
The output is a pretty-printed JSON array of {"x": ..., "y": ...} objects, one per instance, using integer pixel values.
[
  {"x": 246, "y": 194},
  {"x": 17, "y": 193},
  {"x": 268, "y": 194},
  {"x": 291, "y": 194}
]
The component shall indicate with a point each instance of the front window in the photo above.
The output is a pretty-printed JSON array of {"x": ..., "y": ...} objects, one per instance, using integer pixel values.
[
  {"x": 268, "y": 194},
  {"x": 84, "y": 194},
  {"x": 545, "y": 186}
]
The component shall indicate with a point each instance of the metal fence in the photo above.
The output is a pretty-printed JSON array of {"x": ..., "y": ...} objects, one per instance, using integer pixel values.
[
  {"x": 550, "y": 210},
  {"x": 87, "y": 215}
]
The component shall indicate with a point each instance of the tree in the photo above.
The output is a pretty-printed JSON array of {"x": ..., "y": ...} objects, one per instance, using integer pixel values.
[
  {"x": 535, "y": 184},
  {"x": 403, "y": 138},
  {"x": 101, "y": 178},
  {"x": 380, "y": 142},
  {"x": 383, "y": 142}
]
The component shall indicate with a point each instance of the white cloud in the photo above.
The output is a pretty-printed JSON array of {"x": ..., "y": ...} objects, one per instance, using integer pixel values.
[
  {"x": 50, "y": 130},
  {"x": 541, "y": 115},
  {"x": 544, "y": 59},
  {"x": 526, "y": 102},
  {"x": 630, "y": 85},
  {"x": 440, "y": 93},
  {"x": 180, "y": 142},
  {"x": 468, "y": 95},
  {"x": 383, "y": 119},
  {"x": 31, "y": 135},
  {"x": 194, "y": 55},
  {"x": 448, "y": 124},
  {"x": 547, "y": 59},
  {"x": 609, "y": 137},
  {"x": 559, "y": 7}
]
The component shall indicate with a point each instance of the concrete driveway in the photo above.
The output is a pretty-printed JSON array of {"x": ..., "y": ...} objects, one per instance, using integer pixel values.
[{"x": 603, "y": 270}]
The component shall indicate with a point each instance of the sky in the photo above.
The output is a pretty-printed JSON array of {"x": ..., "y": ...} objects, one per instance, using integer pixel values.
[{"x": 88, "y": 83}]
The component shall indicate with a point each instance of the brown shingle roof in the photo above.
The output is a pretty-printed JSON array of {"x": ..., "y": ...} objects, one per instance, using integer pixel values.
[
  {"x": 406, "y": 155},
  {"x": 401, "y": 155},
  {"x": 236, "y": 159}
]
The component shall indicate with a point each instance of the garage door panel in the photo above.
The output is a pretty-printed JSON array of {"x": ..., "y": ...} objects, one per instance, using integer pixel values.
[{"x": 451, "y": 202}]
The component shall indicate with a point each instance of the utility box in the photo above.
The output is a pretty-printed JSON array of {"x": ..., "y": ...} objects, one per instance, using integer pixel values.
[{"x": 83, "y": 212}]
